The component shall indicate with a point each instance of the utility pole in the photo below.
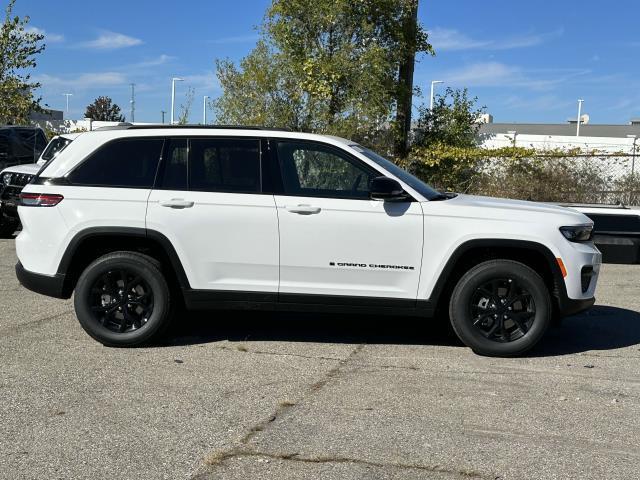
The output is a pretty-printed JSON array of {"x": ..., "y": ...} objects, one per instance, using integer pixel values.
[
  {"x": 204, "y": 109},
  {"x": 162, "y": 112},
  {"x": 133, "y": 102},
  {"x": 580, "y": 101}
]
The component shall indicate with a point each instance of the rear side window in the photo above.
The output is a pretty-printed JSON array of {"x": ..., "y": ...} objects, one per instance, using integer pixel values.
[
  {"x": 224, "y": 165},
  {"x": 128, "y": 163}
]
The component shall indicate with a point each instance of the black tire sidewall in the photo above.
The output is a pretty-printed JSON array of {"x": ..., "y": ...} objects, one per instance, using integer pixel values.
[
  {"x": 462, "y": 321},
  {"x": 139, "y": 266}
]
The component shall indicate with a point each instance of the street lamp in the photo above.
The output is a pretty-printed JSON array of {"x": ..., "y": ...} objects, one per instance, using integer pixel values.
[
  {"x": 633, "y": 158},
  {"x": 173, "y": 96},
  {"x": 433, "y": 84},
  {"x": 580, "y": 101},
  {"x": 204, "y": 109},
  {"x": 68, "y": 95}
]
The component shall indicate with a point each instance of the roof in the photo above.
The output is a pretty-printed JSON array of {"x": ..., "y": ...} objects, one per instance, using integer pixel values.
[
  {"x": 561, "y": 129},
  {"x": 131, "y": 126}
]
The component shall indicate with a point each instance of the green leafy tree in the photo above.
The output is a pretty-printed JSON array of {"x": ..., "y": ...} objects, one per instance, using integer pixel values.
[
  {"x": 452, "y": 122},
  {"x": 103, "y": 109},
  {"x": 18, "y": 51},
  {"x": 327, "y": 66}
]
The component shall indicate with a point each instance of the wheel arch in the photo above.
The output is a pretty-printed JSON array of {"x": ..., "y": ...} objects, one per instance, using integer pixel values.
[
  {"x": 94, "y": 242},
  {"x": 473, "y": 252}
]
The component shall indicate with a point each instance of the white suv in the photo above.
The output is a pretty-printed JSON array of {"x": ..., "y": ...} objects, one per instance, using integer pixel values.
[{"x": 138, "y": 220}]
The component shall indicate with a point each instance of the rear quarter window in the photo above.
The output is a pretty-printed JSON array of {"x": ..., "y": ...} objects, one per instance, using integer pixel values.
[{"x": 127, "y": 163}]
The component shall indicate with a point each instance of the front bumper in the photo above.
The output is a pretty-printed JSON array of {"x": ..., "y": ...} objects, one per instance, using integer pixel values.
[{"x": 52, "y": 286}]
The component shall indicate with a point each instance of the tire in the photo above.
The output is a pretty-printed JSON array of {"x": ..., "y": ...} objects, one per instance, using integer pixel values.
[
  {"x": 122, "y": 299},
  {"x": 500, "y": 308}
]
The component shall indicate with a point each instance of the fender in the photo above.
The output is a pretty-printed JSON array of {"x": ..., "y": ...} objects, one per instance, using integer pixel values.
[
  {"x": 560, "y": 290},
  {"x": 164, "y": 242}
]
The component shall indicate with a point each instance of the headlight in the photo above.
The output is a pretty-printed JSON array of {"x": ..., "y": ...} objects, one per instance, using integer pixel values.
[
  {"x": 6, "y": 178},
  {"x": 577, "y": 233}
]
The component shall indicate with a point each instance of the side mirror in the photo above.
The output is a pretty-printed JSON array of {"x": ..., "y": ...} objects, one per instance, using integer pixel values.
[{"x": 386, "y": 189}]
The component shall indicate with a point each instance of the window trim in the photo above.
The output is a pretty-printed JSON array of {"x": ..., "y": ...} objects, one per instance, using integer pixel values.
[
  {"x": 105, "y": 145},
  {"x": 328, "y": 146},
  {"x": 262, "y": 157}
]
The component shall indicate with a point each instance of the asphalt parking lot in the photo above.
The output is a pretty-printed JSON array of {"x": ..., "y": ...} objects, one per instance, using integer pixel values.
[{"x": 232, "y": 396}]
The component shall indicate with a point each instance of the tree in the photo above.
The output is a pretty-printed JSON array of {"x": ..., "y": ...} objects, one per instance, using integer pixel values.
[
  {"x": 452, "y": 122},
  {"x": 326, "y": 66},
  {"x": 103, "y": 109},
  {"x": 18, "y": 49},
  {"x": 185, "y": 108}
]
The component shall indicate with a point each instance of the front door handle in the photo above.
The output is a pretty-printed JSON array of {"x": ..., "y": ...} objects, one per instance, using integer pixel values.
[
  {"x": 304, "y": 209},
  {"x": 177, "y": 203}
]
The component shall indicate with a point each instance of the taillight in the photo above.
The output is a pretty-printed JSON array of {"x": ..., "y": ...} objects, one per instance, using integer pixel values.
[{"x": 40, "y": 199}]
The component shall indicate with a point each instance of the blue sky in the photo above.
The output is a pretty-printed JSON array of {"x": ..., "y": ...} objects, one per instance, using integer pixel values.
[{"x": 526, "y": 61}]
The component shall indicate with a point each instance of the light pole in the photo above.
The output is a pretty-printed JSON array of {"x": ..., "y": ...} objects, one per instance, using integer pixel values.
[
  {"x": 633, "y": 158},
  {"x": 173, "y": 96},
  {"x": 132, "y": 102},
  {"x": 162, "y": 112},
  {"x": 68, "y": 95},
  {"x": 433, "y": 84},
  {"x": 204, "y": 109},
  {"x": 580, "y": 101}
]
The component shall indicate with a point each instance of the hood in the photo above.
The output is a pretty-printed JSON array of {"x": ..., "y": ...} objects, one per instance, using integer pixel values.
[
  {"x": 473, "y": 206},
  {"x": 29, "y": 169}
]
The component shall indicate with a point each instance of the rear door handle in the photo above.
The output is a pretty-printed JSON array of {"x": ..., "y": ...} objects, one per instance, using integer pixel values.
[
  {"x": 304, "y": 209},
  {"x": 177, "y": 203}
]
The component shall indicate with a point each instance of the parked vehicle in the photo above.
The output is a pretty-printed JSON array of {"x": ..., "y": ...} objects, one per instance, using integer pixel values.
[
  {"x": 14, "y": 178},
  {"x": 616, "y": 231},
  {"x": 138, "y": 219}
]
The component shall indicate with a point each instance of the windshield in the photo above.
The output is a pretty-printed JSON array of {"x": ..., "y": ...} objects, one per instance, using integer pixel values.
[
  {"x": 418, "y": 185},
  {"x": 54, "y": 148}
]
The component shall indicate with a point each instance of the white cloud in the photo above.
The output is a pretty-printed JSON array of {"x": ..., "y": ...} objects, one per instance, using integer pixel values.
[
  {"x": 81, "y": 82},
  {"x": 496, "y": 74},
  {"x": 444, "y": 39},
  {"x": 48, "y": 37},
  {"x": 237, "y": 39},
  {"x": 111, "y": 41},
  {"x": 154, "y": 62}
]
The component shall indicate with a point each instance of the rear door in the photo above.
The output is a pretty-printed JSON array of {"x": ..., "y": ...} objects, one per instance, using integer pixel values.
[
  {"x": 208, "y": 201},
  {"x": 334, "y": 240}
]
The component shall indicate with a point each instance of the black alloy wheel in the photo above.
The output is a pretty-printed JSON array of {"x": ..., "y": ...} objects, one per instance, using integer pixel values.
[
  {"x": 502, "y": 309},
  {"x": 121, "y": 300}
]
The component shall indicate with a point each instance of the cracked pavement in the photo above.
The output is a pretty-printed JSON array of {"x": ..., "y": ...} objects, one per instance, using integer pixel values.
[{"x": 290, "y": 396}]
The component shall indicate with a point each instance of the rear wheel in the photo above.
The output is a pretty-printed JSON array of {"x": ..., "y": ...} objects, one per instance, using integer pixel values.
[
  {"x": 122, "y": 300},
  {"x": 500, "y": 308}
]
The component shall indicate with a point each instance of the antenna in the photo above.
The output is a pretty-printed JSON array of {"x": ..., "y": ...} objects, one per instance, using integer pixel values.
[
  {"x": 163, "y": 112},
  {"x": 133, "y": 102}
]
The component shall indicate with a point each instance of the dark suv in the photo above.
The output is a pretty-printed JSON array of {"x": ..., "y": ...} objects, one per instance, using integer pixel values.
[{"x": 20, "y": 148}]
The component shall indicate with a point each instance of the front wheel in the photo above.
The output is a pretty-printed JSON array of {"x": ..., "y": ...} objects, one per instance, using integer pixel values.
[
  {"x": 500, "y": 308},
  {"x": 122, "y": 300}
]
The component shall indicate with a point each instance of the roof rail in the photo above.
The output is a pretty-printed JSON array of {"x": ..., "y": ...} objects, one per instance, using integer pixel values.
[{"x": 130, "y": 126}]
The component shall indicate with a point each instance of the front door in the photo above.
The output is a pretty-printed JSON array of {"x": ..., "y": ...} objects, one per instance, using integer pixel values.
[{"x": 334, "y": 240}]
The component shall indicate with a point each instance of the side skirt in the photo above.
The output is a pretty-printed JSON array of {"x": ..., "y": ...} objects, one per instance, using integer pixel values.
[{"x": 265, "y": 301}]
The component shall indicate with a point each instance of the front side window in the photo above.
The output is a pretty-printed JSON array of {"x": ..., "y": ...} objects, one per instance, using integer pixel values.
[
  {"x": 128, "y": 163},
  {"x": 224, "y": 165},
  {"x": 320, "y": 171}
]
